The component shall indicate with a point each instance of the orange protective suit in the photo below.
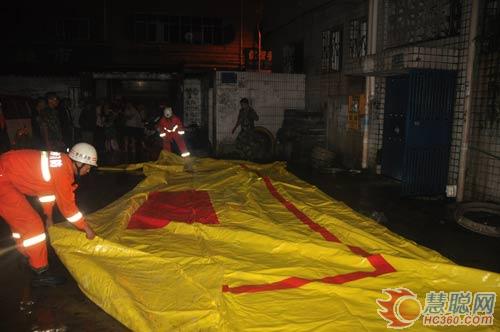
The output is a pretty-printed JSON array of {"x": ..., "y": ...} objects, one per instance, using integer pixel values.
[
  {"x": 46, "y": 175},
  {"x": 171, "y": 130}
]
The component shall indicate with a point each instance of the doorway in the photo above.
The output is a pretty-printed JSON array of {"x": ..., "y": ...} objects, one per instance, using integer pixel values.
[{"x": 417, "y": 130}]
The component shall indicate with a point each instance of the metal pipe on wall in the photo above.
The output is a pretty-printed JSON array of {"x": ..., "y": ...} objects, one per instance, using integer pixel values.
[
  {"x": 259, "y": 47},
  {"x": 464, "y": 149},
  {"x": 105, "y": 20},
  {"x": 241, "y": 34},
  {"x": 370, "y": 80}
]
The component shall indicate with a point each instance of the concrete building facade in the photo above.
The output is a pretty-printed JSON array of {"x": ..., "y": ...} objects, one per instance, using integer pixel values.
[{"x": 350, "y": 50}]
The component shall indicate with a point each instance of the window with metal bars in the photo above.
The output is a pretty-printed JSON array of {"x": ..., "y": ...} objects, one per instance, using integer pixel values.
[
  {"x": 73, "y": 29},
  {"x": 490, "y": 27},
  {"x": 358, "y": 38},
  {"x": 331, "y": 54},
  {"x": 325, "y": 54},
  {"x": 336, "y": 50},
  {"x": 410, "y": 21},
  {"x": 182, "y": 29}
]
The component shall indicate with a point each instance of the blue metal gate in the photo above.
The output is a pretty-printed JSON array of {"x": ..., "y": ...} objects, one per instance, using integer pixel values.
[
  {"x": 428, "y": 132},
  {"x": 396, "y": 107},
  {"x": 417, "y": 130}
]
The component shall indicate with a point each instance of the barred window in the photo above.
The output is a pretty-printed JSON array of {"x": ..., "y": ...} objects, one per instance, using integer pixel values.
[
  {"x": 410, "y": 21},
  {"x": 336, "y": 50},
  {"x": 358, "y": 38},
  {"x": 73, "y": 29},
  {"x": 331, "y": 54},
  {"x": 182, "y": 29},
  {"x": 325, "y": 52}
]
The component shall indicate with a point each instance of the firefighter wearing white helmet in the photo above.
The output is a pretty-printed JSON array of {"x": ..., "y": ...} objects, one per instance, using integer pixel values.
[
  {"x": 50, "y": 176},
  {"x": 167, "y": 112},
  {"x": 84, "y": 156},
  {"x": 84, "y": 153},
  {"x": 171, "y": 130}
]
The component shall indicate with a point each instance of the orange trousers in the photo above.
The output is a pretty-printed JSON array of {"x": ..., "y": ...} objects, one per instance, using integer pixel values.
[
  {"x": 25, "y": 223},
  {"x": 179, "y": 140}
]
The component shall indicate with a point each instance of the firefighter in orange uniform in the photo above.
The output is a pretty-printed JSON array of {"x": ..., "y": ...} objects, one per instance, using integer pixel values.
[
  {"x": 50, "y": 176},
  {"x": 170, "y": 129}
]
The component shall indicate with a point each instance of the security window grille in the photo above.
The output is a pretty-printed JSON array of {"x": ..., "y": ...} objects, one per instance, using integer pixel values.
[
  {"x": 325, "y": 53},
  {"x": 490, "y": 31},
  {"x": 412, "y": 21},
  {"x": 493, "y": 94},
  {"x": 331, "y": 50},
  {"x": 289, "y": 59},
  {"x": 358, "y": 34},
  {"x": 73, "y": 29},
  {"x": 182, "y": 29},
  {"x": 146, "y": 28},
  {"x": 336, "y": 50}
]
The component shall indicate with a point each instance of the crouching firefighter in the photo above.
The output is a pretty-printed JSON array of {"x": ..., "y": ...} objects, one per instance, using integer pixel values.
[{"x": 50, "y": 176}]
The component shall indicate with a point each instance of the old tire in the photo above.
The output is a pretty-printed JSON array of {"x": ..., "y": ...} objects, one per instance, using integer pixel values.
[{"x": 476, "y": 226}]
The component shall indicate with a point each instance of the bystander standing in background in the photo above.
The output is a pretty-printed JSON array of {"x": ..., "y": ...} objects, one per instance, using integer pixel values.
[
  {"x": 76, "y": 111},
  {"x": 110, "y": 133},
  {"x": 4, "y": 137},
  {"x": 66, "y": 120},
  {"x": 40, "y": 105},
  {"x": 245, "y": 141},
  {"x": 50, "y": 126},
  {"x": 87, "y": 121},
  {"x": 99, "y": 126},
  {"x": 134, "y": 128}
]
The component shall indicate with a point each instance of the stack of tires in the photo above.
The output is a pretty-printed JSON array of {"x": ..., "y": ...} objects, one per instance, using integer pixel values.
[
  {"x": 321, "y": 158},
  {"x": 300, "y": 132}
]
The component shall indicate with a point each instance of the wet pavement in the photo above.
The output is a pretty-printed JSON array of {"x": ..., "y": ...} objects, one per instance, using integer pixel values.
[
  {"x": 428, "y": 222},
  {"x": 65, "y": 308}
]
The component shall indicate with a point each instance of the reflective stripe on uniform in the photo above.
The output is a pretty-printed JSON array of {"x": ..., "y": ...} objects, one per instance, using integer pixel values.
[
  {"x": 74, "y": 218},
  {"x": 173, "y": 129},
  {"x": 47, "y": 199},
  {"x": 16, "y": 235},
  {"x": 181, "y": 132},
  {"x": 44, "y": 160},
  {"x": 185, "y": 154},
  {"x": 163, "y": 135},
  {"x": 34, "y": 240}
]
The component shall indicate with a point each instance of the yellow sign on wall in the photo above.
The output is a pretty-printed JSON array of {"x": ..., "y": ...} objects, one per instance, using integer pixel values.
[{"x": 357, "y": 104}]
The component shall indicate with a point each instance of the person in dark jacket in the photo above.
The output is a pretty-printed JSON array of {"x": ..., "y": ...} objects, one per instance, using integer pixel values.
[
  {"x": 88, "y": 121},
  {"x": 245, "y": 142},
  {"x": 50, "y": 126},
  {"x": 4, "y": 137},
  {"x": 66, "y": 120},
  {"x": 40, "y": 105}
]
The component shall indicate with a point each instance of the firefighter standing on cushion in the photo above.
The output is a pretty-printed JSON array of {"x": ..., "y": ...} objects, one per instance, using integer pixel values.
[
  {"x": 50, "y": 176},
  {"x": 170, "y": 129}
]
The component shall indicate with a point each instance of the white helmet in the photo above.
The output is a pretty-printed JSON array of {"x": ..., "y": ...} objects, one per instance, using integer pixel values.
[
  {"x": 84, "y": 153},
  {"x": 167, "y": 111}
]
